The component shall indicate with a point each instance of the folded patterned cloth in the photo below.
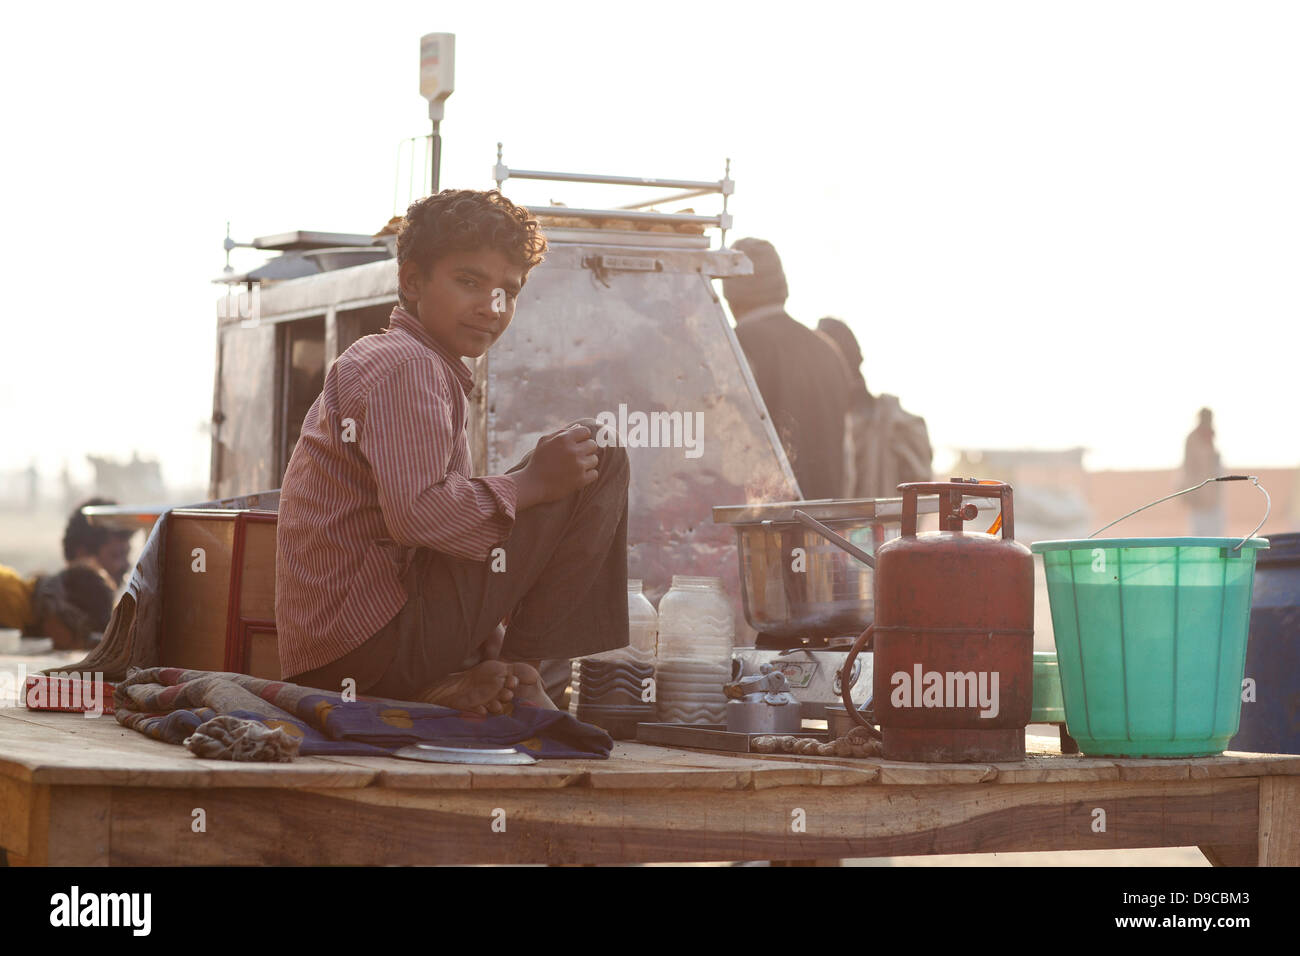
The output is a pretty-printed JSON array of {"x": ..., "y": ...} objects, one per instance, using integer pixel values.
[{"x": 173, "y": 705}]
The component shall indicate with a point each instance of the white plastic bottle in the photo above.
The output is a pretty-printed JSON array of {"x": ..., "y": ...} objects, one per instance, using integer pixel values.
[
  {"x": 643, "y": 624},
  {"x": 643, "y": 639}
]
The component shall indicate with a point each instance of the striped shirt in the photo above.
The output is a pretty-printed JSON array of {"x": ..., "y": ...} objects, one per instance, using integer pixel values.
[{"x": 382, "y": 466}]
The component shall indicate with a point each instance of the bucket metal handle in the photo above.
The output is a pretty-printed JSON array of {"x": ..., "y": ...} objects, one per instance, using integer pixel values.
[{"x": 1268, "y": 504}]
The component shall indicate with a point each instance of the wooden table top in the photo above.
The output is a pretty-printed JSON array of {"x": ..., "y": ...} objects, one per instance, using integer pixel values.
[{"x": 70, "y": 750}]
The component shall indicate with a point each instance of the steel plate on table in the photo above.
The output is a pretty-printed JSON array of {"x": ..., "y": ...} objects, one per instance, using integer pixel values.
[
  {"x": 432, "y": 754},
  {"x": 709, "y": 736}
]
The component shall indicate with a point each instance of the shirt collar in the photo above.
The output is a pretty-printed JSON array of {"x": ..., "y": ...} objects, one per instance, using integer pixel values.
[{"x": 401, "y": 319}]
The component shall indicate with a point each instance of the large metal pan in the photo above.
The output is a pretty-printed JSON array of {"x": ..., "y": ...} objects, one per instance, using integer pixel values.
[{"x": 793, "y": 581}]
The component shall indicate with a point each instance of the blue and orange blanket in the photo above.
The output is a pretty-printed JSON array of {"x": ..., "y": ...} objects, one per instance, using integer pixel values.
[{"x": 174, "y": 705}]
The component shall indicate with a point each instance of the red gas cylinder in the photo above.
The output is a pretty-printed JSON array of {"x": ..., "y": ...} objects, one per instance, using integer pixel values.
[{"x": 953, "y": 632}]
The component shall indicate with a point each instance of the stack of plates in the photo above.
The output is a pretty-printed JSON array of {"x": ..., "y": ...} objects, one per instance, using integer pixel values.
[
  {"x": 690, "y": 691},
  {"x": 608, "y": 694}
]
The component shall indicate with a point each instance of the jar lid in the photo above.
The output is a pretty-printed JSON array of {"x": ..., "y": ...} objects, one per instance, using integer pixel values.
[{"x": 692, "y": 581}]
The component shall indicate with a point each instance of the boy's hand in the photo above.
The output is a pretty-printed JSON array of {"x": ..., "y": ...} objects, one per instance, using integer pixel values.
[{"x": 562, "y": 463}]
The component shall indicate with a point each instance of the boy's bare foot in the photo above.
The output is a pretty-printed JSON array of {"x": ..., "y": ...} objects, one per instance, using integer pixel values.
[{"x": 483, "y": 689}]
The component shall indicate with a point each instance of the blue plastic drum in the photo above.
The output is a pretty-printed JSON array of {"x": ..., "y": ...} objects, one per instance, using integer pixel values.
[{"x": 1271, "y": 723}]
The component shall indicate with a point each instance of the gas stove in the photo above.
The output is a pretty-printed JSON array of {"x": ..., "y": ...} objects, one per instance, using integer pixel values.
[{"x": 813, "y": 672}]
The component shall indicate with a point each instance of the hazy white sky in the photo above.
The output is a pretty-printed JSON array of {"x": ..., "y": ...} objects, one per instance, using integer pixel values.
[{"x": 1049, "y": 224}]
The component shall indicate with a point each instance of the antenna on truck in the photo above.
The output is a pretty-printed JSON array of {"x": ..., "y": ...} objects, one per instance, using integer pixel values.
[{"x": 437, "y": 82}]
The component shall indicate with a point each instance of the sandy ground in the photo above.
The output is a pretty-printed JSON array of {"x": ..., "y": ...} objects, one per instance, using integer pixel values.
[{"x": 31, "y": 541}]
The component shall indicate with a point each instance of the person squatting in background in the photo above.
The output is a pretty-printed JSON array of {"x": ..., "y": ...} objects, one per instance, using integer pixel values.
[
  {"x": 887, "y": 445},
  {"x": 73, "y": 606}
]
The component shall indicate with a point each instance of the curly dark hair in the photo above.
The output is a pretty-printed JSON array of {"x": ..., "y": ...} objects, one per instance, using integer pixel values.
[
  {"x": 79, "y": 535},
  {"x": 459, "y": 220}
]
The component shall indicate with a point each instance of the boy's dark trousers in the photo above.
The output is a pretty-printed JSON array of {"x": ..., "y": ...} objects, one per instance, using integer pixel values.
[{"x": 561, "y": 577}]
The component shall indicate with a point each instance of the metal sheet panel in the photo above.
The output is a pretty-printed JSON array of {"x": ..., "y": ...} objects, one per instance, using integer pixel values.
[
  {"x": 651, "y": 337},
  {"x": 586, "y": 342},
  {"x": 243, "y": 436}
]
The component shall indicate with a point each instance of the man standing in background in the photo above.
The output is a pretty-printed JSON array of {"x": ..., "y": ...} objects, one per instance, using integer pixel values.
[
  {"x": 800, "y": 374},
  {"x": 1200, "y": 461}
]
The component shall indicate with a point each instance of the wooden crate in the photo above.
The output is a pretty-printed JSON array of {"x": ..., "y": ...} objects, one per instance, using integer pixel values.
[{"x": 220, "y": 618}]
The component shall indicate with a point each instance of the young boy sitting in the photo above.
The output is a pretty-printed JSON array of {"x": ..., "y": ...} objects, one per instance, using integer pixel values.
[{"x": 395, "y": 567}]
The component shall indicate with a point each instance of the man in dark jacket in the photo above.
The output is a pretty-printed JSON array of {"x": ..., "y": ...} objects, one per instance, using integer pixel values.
[{"x": 800, "y": 374}]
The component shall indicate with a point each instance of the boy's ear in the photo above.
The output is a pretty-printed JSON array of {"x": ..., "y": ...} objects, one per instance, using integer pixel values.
[
  {"x": 409, "y": 274},
  {"x": 404, "y": 277}
]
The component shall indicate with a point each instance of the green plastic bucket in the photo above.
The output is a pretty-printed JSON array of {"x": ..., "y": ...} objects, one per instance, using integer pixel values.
[{"x": 1151, "y": 640}]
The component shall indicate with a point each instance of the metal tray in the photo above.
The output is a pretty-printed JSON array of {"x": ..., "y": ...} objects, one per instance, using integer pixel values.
[
  {"x": 434, "y": 754},
  {"x": 708, "y": 736}
]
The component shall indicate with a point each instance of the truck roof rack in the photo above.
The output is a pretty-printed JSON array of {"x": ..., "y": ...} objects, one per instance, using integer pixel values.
[{"x": 633, "y": 212}]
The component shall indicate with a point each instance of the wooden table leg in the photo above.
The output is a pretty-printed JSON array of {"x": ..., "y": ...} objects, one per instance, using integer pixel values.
[
  {"x": 1243, "y": 855},
  {"x": 24, "y": 821},
  {"x": 1279, "y": 821},
  {"x": 1068, "y": 744}
]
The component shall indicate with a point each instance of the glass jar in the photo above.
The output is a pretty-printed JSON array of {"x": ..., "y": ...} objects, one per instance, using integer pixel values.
[{"x": 696, "y": 620}]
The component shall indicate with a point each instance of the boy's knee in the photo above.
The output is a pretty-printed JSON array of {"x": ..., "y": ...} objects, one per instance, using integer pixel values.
[{"x": 613, "y": 457}]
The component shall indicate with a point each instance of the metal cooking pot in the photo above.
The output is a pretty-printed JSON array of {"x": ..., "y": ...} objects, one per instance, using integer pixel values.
[
  {"x": 818, "y": 589},
  {"x": 839, "y": 722}
]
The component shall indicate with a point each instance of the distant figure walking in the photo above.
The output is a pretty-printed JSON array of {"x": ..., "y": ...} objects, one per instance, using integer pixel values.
[{"x": 1200, "y": 461}]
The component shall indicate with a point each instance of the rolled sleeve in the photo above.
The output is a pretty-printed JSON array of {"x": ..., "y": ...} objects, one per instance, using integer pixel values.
[{"x": 408, "y": 435}]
